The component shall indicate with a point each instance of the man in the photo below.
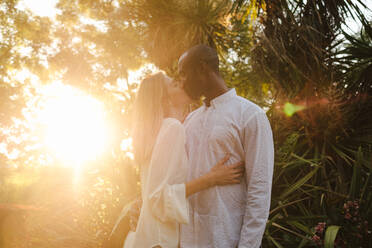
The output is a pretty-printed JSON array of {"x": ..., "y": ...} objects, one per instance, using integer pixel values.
[{"x": 229, "y": 216}]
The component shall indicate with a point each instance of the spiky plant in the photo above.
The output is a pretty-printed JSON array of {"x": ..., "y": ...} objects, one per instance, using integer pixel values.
[{"x": 171, "y": 27}]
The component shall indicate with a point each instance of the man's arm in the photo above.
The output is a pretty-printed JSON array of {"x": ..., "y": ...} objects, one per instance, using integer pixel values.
[{"x": 259, "y": 162}]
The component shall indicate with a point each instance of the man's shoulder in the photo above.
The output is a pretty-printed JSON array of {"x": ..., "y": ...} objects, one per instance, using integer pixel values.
[
  {"x": 246, "y": 106},
  {"x": 192, "y": 114}
]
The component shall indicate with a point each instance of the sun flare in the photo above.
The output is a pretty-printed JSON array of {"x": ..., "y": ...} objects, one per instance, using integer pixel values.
[{"x": 74, "y": 124}]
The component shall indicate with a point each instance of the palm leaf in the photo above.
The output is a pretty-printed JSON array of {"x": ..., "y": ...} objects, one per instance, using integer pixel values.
[{"x": 330, "y": 236}]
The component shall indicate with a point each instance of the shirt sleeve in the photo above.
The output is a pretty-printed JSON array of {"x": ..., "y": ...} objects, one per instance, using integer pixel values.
[
  {"x": 167, "y": 200},
  {"x": 259, "y": 163}
]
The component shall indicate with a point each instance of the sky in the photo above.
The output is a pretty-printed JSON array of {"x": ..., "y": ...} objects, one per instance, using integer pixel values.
[
  {"x": 354, "y": 26},
  {"x": 47, "y": 8},
  {"x": 40, "y": 7}
]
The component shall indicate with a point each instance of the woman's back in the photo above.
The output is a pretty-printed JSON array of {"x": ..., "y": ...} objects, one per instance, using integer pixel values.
[{"x": 163, "y": 190}]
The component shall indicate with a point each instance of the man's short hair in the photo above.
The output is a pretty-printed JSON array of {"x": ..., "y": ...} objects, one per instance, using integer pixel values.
[{"x": 202, "y": 53}]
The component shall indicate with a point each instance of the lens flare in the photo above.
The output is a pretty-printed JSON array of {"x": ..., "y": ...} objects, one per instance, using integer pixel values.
[{"x": 290, "y": 108}]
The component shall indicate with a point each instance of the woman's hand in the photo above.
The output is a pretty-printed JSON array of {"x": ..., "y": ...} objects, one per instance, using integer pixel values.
[
  {"x": 222, "y": 174},
  {"x": 219, "y": 175}
]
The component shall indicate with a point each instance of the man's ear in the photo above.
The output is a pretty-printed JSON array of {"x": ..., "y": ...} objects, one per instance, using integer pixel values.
[
  {"x": 204, "y": 68},
  {"x": 205, "y": 71}
]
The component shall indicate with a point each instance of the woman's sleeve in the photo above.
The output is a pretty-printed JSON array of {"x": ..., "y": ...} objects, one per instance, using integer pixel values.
[{"x": 167, "y": 200}]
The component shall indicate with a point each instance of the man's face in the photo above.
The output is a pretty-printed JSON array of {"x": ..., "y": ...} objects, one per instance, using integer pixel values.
[{"x": 190, "y": 77}]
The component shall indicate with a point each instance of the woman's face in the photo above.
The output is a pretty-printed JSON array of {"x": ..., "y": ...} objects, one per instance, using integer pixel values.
[{"x": 176, "y": 94}]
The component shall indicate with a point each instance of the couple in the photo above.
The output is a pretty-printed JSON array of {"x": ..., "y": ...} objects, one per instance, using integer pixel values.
[{"x": 206, "y": 181}]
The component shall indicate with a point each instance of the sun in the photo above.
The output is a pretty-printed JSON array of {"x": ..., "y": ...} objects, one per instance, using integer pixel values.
[{"x": 74, "y": 126}]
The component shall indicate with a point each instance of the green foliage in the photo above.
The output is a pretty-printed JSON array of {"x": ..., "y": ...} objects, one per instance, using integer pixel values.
[
  {"x": 330, "y": 236},
  {"x": 291, "y": 57},
  {"x": 356, "y": 56},
  {"x": 168, "y": 28}
]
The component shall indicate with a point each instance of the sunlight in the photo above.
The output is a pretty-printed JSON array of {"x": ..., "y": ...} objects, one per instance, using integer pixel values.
[
  {"x": 127, "y": 146},
  {"x": 21, "y": 76},
  {"x": 75, "y": 129},
  {"x": 137, "y": 75},
  {"x": 39, "y": 7}
]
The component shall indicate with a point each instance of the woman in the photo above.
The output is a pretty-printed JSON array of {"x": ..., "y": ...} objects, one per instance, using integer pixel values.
[{"x": 159, "y": 148}]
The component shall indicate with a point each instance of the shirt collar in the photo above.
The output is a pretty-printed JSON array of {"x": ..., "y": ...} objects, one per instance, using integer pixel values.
[{"x": 223, "y": 98}]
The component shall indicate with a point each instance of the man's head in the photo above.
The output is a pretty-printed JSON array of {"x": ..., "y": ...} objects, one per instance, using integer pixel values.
[{"x": 195, "y": 68}]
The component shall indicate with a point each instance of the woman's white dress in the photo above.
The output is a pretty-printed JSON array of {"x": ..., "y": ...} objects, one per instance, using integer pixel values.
[{"x": 164, "y": 203}]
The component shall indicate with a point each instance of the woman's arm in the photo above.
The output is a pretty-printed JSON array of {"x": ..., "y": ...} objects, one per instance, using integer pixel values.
[
  {"x": 220, "y": 174},
  {"x": 165, "y": 194},
  {"x": 167, "y": 199}
]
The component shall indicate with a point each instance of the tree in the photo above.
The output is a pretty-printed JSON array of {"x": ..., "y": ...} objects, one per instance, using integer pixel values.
[{"x": 290, "y": 57}]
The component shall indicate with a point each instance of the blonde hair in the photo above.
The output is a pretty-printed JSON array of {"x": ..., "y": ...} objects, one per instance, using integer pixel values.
[{"x": 148, "y": 115}]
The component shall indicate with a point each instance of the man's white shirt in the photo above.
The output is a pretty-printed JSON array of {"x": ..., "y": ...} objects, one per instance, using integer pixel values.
[{"x": 235, "y": 215}]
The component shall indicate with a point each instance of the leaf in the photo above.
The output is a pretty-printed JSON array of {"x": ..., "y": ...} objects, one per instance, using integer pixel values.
[
  {"x": 342, "y": 155},
  {"x": 299, "y": 183},
  {"x": 274, "y": 242},
  {"x": 356, "y": 181},
  {"x": 289, "y": 230},
  {"x": 124, "y": 212},
  {"x": 300, "y": 226},
  {"x": 330, "y": 236}
]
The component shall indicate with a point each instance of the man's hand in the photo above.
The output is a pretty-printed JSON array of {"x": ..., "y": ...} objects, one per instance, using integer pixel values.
[{"x": 134, "y": 213}]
